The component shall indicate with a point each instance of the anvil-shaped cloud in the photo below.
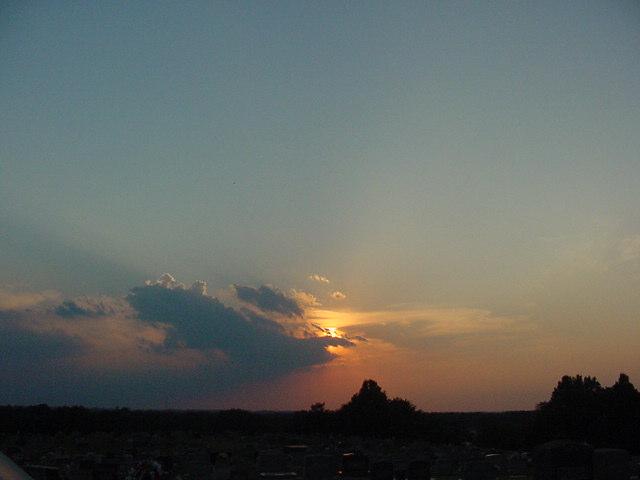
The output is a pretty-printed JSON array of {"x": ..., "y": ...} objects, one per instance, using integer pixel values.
[{"x": 164, "y": 340}]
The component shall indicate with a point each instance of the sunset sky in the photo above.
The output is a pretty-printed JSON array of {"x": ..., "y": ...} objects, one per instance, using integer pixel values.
[{"x": 262, "y": 204}]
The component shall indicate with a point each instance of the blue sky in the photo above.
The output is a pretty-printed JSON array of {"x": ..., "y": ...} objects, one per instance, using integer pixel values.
[{"x": 459, "y": 155}]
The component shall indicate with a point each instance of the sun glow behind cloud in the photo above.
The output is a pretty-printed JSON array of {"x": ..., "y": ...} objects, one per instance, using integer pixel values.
[
  {"x": 145, "y": 333},
  {"x": 409, "y": 348}
]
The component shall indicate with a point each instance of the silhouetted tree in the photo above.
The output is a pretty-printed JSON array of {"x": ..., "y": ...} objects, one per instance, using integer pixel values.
[
  {"x": 371, "y": 413},
  {"x": 581, "y": 409},
  {"x": 317, "y": 408},
  {"x": 575, "y": 404},
  {"x": 367, "y": 413},
  {"x": 404, "y": 416}
]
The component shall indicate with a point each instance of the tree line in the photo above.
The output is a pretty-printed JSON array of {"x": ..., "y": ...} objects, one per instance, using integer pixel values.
[{"x": 579, "y": 408}]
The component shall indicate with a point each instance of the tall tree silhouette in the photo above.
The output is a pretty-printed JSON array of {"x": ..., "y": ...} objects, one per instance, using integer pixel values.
[
  {"x": 370, "y": 412},
  {"x": 367, "y": 413}
]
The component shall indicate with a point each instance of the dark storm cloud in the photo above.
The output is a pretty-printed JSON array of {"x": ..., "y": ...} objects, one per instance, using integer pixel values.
[
  {"x": 203, "y": 322},
  {"x": 262, "y": 322},
  {"x": 164, "y": 341},
  {"x": 269, "y": 299}
]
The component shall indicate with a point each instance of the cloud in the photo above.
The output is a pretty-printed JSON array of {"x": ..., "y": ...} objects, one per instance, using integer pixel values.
[
  {"x": 69, "y": 308},
  {"x": 304, "y": 299},
  {"x": 13, "y": 300},
  {"x": 320, "y": 328},
  {"x": 22, "y": 344},
  {"x": 165, "y": 280},
  {"x": 337, "y": 295},
  {"x": 269, "y": 299},
  {"x": 200, "y": 287},
  {"x": 428, "y": 327},
  {"x": 95, "y": 328},
  {"x": 318, "y": 278},
  {"x": 163, "y": 339},
  {"x": 89, "y": 307},
  {"x": 334, "y": 332},
  {"x": 359, "y": 338}
]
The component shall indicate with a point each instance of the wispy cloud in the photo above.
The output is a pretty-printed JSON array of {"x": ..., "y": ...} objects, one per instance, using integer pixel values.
[
  {"x": 337, "y": 295},
  {"x": 424, "y": 327}
]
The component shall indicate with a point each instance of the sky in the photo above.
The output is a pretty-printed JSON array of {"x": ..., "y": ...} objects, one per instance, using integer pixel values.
[{"x": 262, "y": 204}]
